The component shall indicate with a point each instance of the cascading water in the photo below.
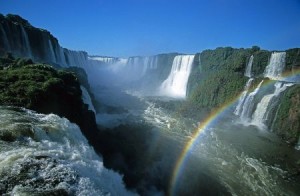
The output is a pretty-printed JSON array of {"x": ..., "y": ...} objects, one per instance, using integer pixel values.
[
  {"x": 149, "y": 63},
  {"x": 76, "y": 58},
  {"x": 5, "y": 42},
  {"x": 48, "y": 155},
  {"x": 242, "y": 99},
  {"x": 176, "y": 83},
  {"x": 26, "y": 42},
  {"x": 105, "y": 60},
  {"x": 249, "y": 67},
  {"x": 51, "y": 51},
  {"x": 87, "y": 99},
  {"x": 276, "y": 66},
  {"x": 249, "y": 104},
  {"x": 261, "y": 112}
]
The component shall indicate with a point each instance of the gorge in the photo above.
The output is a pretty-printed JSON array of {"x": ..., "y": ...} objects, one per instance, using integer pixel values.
[{"x": 221, "y": 122}]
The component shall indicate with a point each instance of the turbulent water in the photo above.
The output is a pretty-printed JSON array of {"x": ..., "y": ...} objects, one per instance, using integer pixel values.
[
  {"x": 242, "y": 159},
  {"x": 48, "y": 155}
]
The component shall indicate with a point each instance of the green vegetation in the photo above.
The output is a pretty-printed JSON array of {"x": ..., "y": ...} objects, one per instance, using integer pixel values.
[
  {"x": 36, "y": 86},
  {"x": 218, "y": 76},
  {"x": 293, "y": 60},
  {"x": 287, "y": 122},
  {"x": 46, "y": 90}
]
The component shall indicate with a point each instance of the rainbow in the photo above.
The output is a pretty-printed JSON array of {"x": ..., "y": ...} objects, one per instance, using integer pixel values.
[{"x": 211, "y": 119}]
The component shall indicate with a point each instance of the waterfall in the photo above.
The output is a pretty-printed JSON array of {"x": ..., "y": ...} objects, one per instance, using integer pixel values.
[
  {"x": 243, "y": 96},
  {"x": 51, "y": 50},
  {"x": 76, "y": 58},
  {"x": 62, "y": 56},
  {"x": 249, "y": 104},
  {"x": 26, "y": 42},
  {"x": 6, "y": 45},
  {"x": 149, "y": 63},
  {"x": 261, "y": 112},
  {"x": 249, "y": 67},
  {"x": 176, "y": 83},
  {"x": 87, "y": 99},
  {"x": 276, "y": 66},
  {"x": 105, "y": 60}
]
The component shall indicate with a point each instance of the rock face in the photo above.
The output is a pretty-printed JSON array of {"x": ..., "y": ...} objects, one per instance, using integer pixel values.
[{"x": 20, "y": 38}]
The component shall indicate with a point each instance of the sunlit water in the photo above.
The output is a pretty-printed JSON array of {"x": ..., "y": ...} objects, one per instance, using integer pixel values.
[{"x": 245, "y": 160}]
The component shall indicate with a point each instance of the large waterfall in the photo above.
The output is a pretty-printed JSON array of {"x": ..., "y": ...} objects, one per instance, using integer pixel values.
[
  {"x": 176, "y": 83},
  {"x": 275, "y": 66}
]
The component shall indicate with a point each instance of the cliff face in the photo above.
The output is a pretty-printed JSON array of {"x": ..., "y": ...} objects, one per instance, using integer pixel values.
[
  {"x": 287, "y": 121},
  {"x": 46, "y": 90},
  {"x": 20, "y": 38}
]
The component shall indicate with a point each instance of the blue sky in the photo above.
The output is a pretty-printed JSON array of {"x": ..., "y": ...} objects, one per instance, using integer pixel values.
[{"x": 146, "y": 27}]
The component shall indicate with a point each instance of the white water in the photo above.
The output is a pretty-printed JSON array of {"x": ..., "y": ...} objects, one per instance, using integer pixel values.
[
  {"x": 26, "y": 41},
  {"x": 176, "y": 83},
  {"x": 248, "y": 104},
  {"x": 242, "y": 99},
  {"x": 249, "y": 67},
  {"x": 276, "y": 66},
  {"x": 260, "y": 115},
  {"x": 56, "y": 156},
  {"x": 87, "y": 99}
]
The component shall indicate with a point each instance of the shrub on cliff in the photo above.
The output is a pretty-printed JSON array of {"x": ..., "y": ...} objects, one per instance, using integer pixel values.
[
  {"x": 287, "y": 121},
  {"x": 46, "y": 90}
]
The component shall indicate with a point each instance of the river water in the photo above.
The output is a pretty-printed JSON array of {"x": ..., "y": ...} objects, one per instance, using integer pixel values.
[{"x": 228, "y": 158}]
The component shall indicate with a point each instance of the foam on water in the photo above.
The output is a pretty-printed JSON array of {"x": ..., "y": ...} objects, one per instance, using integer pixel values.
[{"x": 56, "y": 157}]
